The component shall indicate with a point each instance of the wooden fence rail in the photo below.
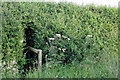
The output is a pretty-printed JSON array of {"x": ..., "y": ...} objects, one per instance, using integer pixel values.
[{"x": 39, "y": 52}]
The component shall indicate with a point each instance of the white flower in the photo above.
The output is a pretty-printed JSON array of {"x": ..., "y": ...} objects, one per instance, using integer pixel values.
[
  {"x": 46, "y": 56},
  {"x": 46, "y": 43},
  {"x": 58, "y": 35},
  {"x": 68, "y": 38},
  {"x": 14, "y": 69},
  {"x": 89, "y": 35},
  {"x": 63, "y": 50},
  {"x": 22, "y": 41},
  {"x": 59, "y": 48},
  {"x": 51, "y": 38}
]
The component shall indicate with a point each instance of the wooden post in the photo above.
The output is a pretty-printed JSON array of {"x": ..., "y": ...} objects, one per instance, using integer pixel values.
[
  {"x": 40, "y": 60},
  {"x": 39, "y": 52}
]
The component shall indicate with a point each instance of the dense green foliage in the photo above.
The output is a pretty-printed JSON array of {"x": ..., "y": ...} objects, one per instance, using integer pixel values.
[
  {"x": 12, "y": 34},
  {"x": 65, "y": 32}
]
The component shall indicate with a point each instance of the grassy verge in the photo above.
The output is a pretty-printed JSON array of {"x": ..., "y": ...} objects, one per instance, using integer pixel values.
[{"x": 104, "y": 66}]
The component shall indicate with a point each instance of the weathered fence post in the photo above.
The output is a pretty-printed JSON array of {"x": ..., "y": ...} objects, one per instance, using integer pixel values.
[
  {"x": 40, "y": 60},
  {"x": 39, "y": 52}
]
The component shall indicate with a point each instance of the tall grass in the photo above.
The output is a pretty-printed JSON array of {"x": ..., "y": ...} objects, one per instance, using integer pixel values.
[{"x": 104, "y": 66}]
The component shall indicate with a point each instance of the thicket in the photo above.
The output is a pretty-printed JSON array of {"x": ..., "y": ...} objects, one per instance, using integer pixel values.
[{"x": 65, "y": 32}]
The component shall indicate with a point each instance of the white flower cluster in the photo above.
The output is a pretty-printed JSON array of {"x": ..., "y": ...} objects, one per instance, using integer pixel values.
[
  {"x": 11, "y": 66},
  {"x": 59, "y": 36},
  {"x": 62, "y": 49}
]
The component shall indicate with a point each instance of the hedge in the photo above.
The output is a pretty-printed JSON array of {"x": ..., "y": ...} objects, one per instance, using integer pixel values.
[
  {"x": 65, "y": 32},
  {"x": 12, "y": 34}
]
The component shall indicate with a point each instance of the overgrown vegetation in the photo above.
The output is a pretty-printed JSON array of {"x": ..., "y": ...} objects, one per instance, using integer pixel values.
[{"x": 71, "y": 36}]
